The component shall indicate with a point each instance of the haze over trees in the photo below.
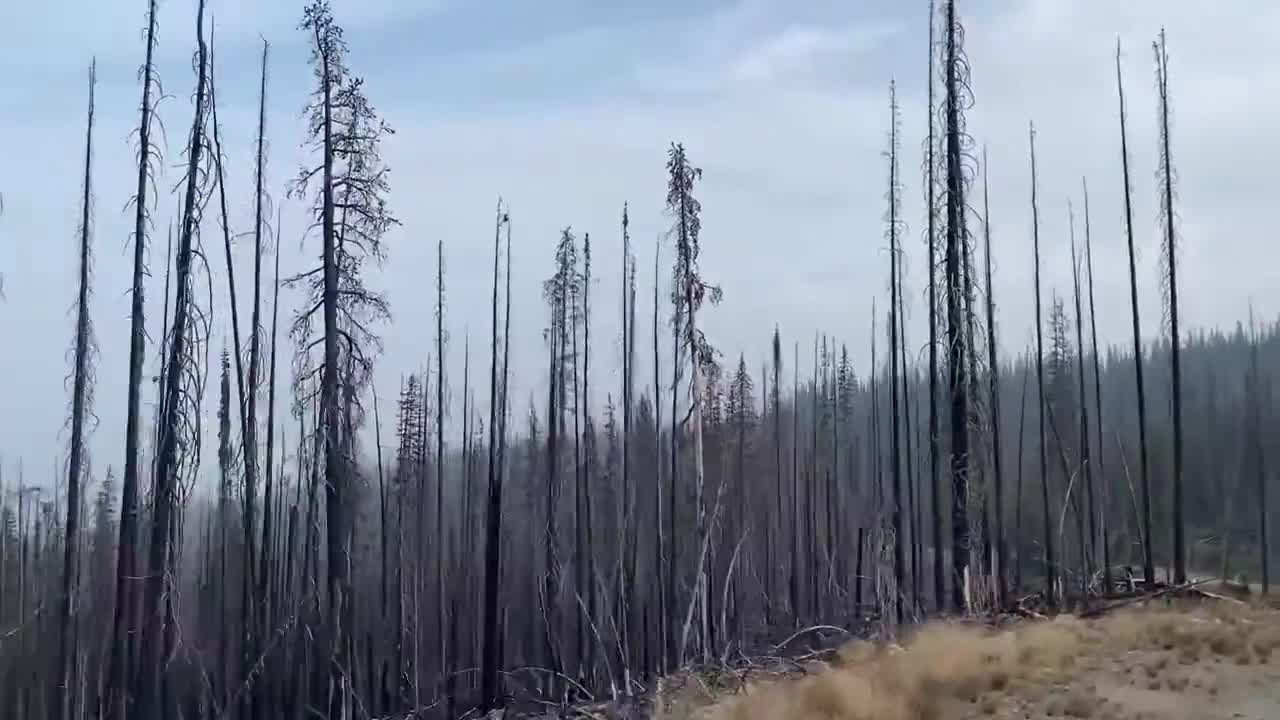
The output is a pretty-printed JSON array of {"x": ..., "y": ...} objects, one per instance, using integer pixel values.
[{"x": 453, "y": 551}]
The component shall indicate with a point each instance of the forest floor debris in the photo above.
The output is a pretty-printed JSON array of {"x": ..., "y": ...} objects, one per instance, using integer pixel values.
[{"x": 1188, "y": 658}]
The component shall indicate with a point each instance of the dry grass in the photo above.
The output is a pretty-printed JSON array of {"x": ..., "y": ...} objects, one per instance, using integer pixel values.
[{"x": 954, "y": 665}]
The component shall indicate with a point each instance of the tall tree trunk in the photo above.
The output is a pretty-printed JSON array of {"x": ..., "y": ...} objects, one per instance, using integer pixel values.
[
  {"x": 625, "y": 507},
  {"x": 1259, "y": 393},
  {"x": 910, "y": 476},
  {"x": 779, "y": 511},
  {"x": 250, "y": 428},
  {"x": 65, "y": 688},
  {"x": 956, "y": 340},
  {"x": 246, "y": 585},
  {"x": 666, "y": 591},
  {"x": 120, "y": 692},
  {"x": 1148, "y": 562},
  {"x": 795, "y": 487},
  {"x": 492, "y": 662},
  {"x": 1050, "y": 569},
  {"x": 1105, "y": 500},
  {"x": 993, "y": 373},
  {"x": 1086, "y": 551},
  {"x": 338, "y": 539},
  {"x": 1017, "y": 530},
  {"x": 1175, "y": 340},
  {"x": 935, "y": 497},
  {"x": 151, "y": 665},
  {"x": 268, "y": 542},
  {"x": 445, "y": 647},
  {"x": 895, "y": 453}
]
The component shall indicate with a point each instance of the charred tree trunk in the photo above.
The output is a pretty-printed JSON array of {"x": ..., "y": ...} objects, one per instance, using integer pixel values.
[
  {"x": 1148, "y": 563},
  {"x": 993, "y": 373},
  {"x": 935, "y": 496},
  {"x": 66, "y": 688},
  {"x": 956, "y": 336},
  {"x": 895, "y": 455},
  {"x": 151, "y": 666},
  {"x": 1050, "y": 569},
  {"x": 1086, "y": 550},
  {"x": 1170, "y": 256},
  {"x": 666, "y": 591},
  {"x": 1105, "y": 500},
  {"x": 491, "y": 663},
  {"x": 441, "y": 620},
  {"x": 120, "y": 693}
]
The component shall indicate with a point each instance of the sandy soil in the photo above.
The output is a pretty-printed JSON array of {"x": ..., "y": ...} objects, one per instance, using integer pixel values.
[{"x": 1207, "y": 660}]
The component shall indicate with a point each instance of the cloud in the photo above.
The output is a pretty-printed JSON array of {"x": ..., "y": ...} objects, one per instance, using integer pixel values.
[{"x": 566, "y": 109}]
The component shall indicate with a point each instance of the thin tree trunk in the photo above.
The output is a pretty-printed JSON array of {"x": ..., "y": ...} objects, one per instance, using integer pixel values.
[
  {"x": 1175, "y": 340},
  {"x": 955, "y": 258},
  {"x": 1148, "y": 566},
  {"x": 492, "y": 662},
  {"x": 1259, "y": 394},
  {"x": 939, "y": 586},
  {"x": 777, "y": 449},
  {"x": 120, "y": 692},
  {"x": 250, "y": 428},
  {"x": 993, "y": 373},
  {"x": 666, "y": 591},
  {"x": 899, "y": 559},
  {"x": 441, "y": 621},
  {"x": 1050, "y": 569},
  {"x": 1105, "y": 500},
  {"x": 795, "y": 487},
  {"x": 247, "y": 450},
  {"x": 1017, "y": 532},
  {"x": 151, "y": 664},
  {"x": 1085, "y": 461},
  {"x": 65, "y": 689}
]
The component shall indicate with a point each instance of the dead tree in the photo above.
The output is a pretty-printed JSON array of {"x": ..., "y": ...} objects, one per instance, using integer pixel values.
[
  {"x": 556, "y": 291},
  {"x": 441, "y": 614},
  {"x": 1258, "y": 393},
  {"x": 939, "y": 588},
  {"x": 1104, "y": 528},
  {"x": 492, "y": 661},
  {"x": 256, "y": 634},
  {"x": 628, "y": 505},
  {"x": 955, "y": 72},
  {"x": 119, "y": 692},
  {"x": 245, "y": 384},
  {"x": 1169, "y": 257},
  {"x": 1148, "y": 563},
  {"x": 993, "y": 374},
  {"x": 775, "y": 410},
  {"x": 1086, "y": 462},
  {"x": 666, "y": 589},
  {"x": 66, "y": 689},
  {"x": 689, "y": 291},
  {"x": 181, "y": 406},
  {"x": 348, "y": 190},
  {"x": 1050, "y": 569},
  {"x": 895, "y": 454}
]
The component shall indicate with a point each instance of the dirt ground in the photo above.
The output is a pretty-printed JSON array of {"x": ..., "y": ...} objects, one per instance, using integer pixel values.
[{"x": 1182, "y": 660}]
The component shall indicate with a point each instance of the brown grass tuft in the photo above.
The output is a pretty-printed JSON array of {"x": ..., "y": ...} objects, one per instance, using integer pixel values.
[{"x": 949, "y": 669}]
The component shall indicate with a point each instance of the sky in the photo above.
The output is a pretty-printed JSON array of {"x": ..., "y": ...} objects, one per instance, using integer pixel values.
[{"x": 566, "y": 108}]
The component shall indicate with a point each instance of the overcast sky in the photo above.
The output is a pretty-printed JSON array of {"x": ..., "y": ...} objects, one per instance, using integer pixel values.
[{"x": 566, "y": 108}]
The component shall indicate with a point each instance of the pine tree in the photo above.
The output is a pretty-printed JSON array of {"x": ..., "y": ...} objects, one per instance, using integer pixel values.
[
  {"x": 1148, "y": 566},
  {"x": 955, "y": 70},
  {"x": 66, "y": 688},
  {"x": 348, "y": 190},
  {"x": 1169, "y": 258}
]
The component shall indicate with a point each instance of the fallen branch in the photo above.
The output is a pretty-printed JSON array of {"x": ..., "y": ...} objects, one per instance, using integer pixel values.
[
  {"x": 1149, "y": 595},
  {"x": 815, "y": 628}
]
